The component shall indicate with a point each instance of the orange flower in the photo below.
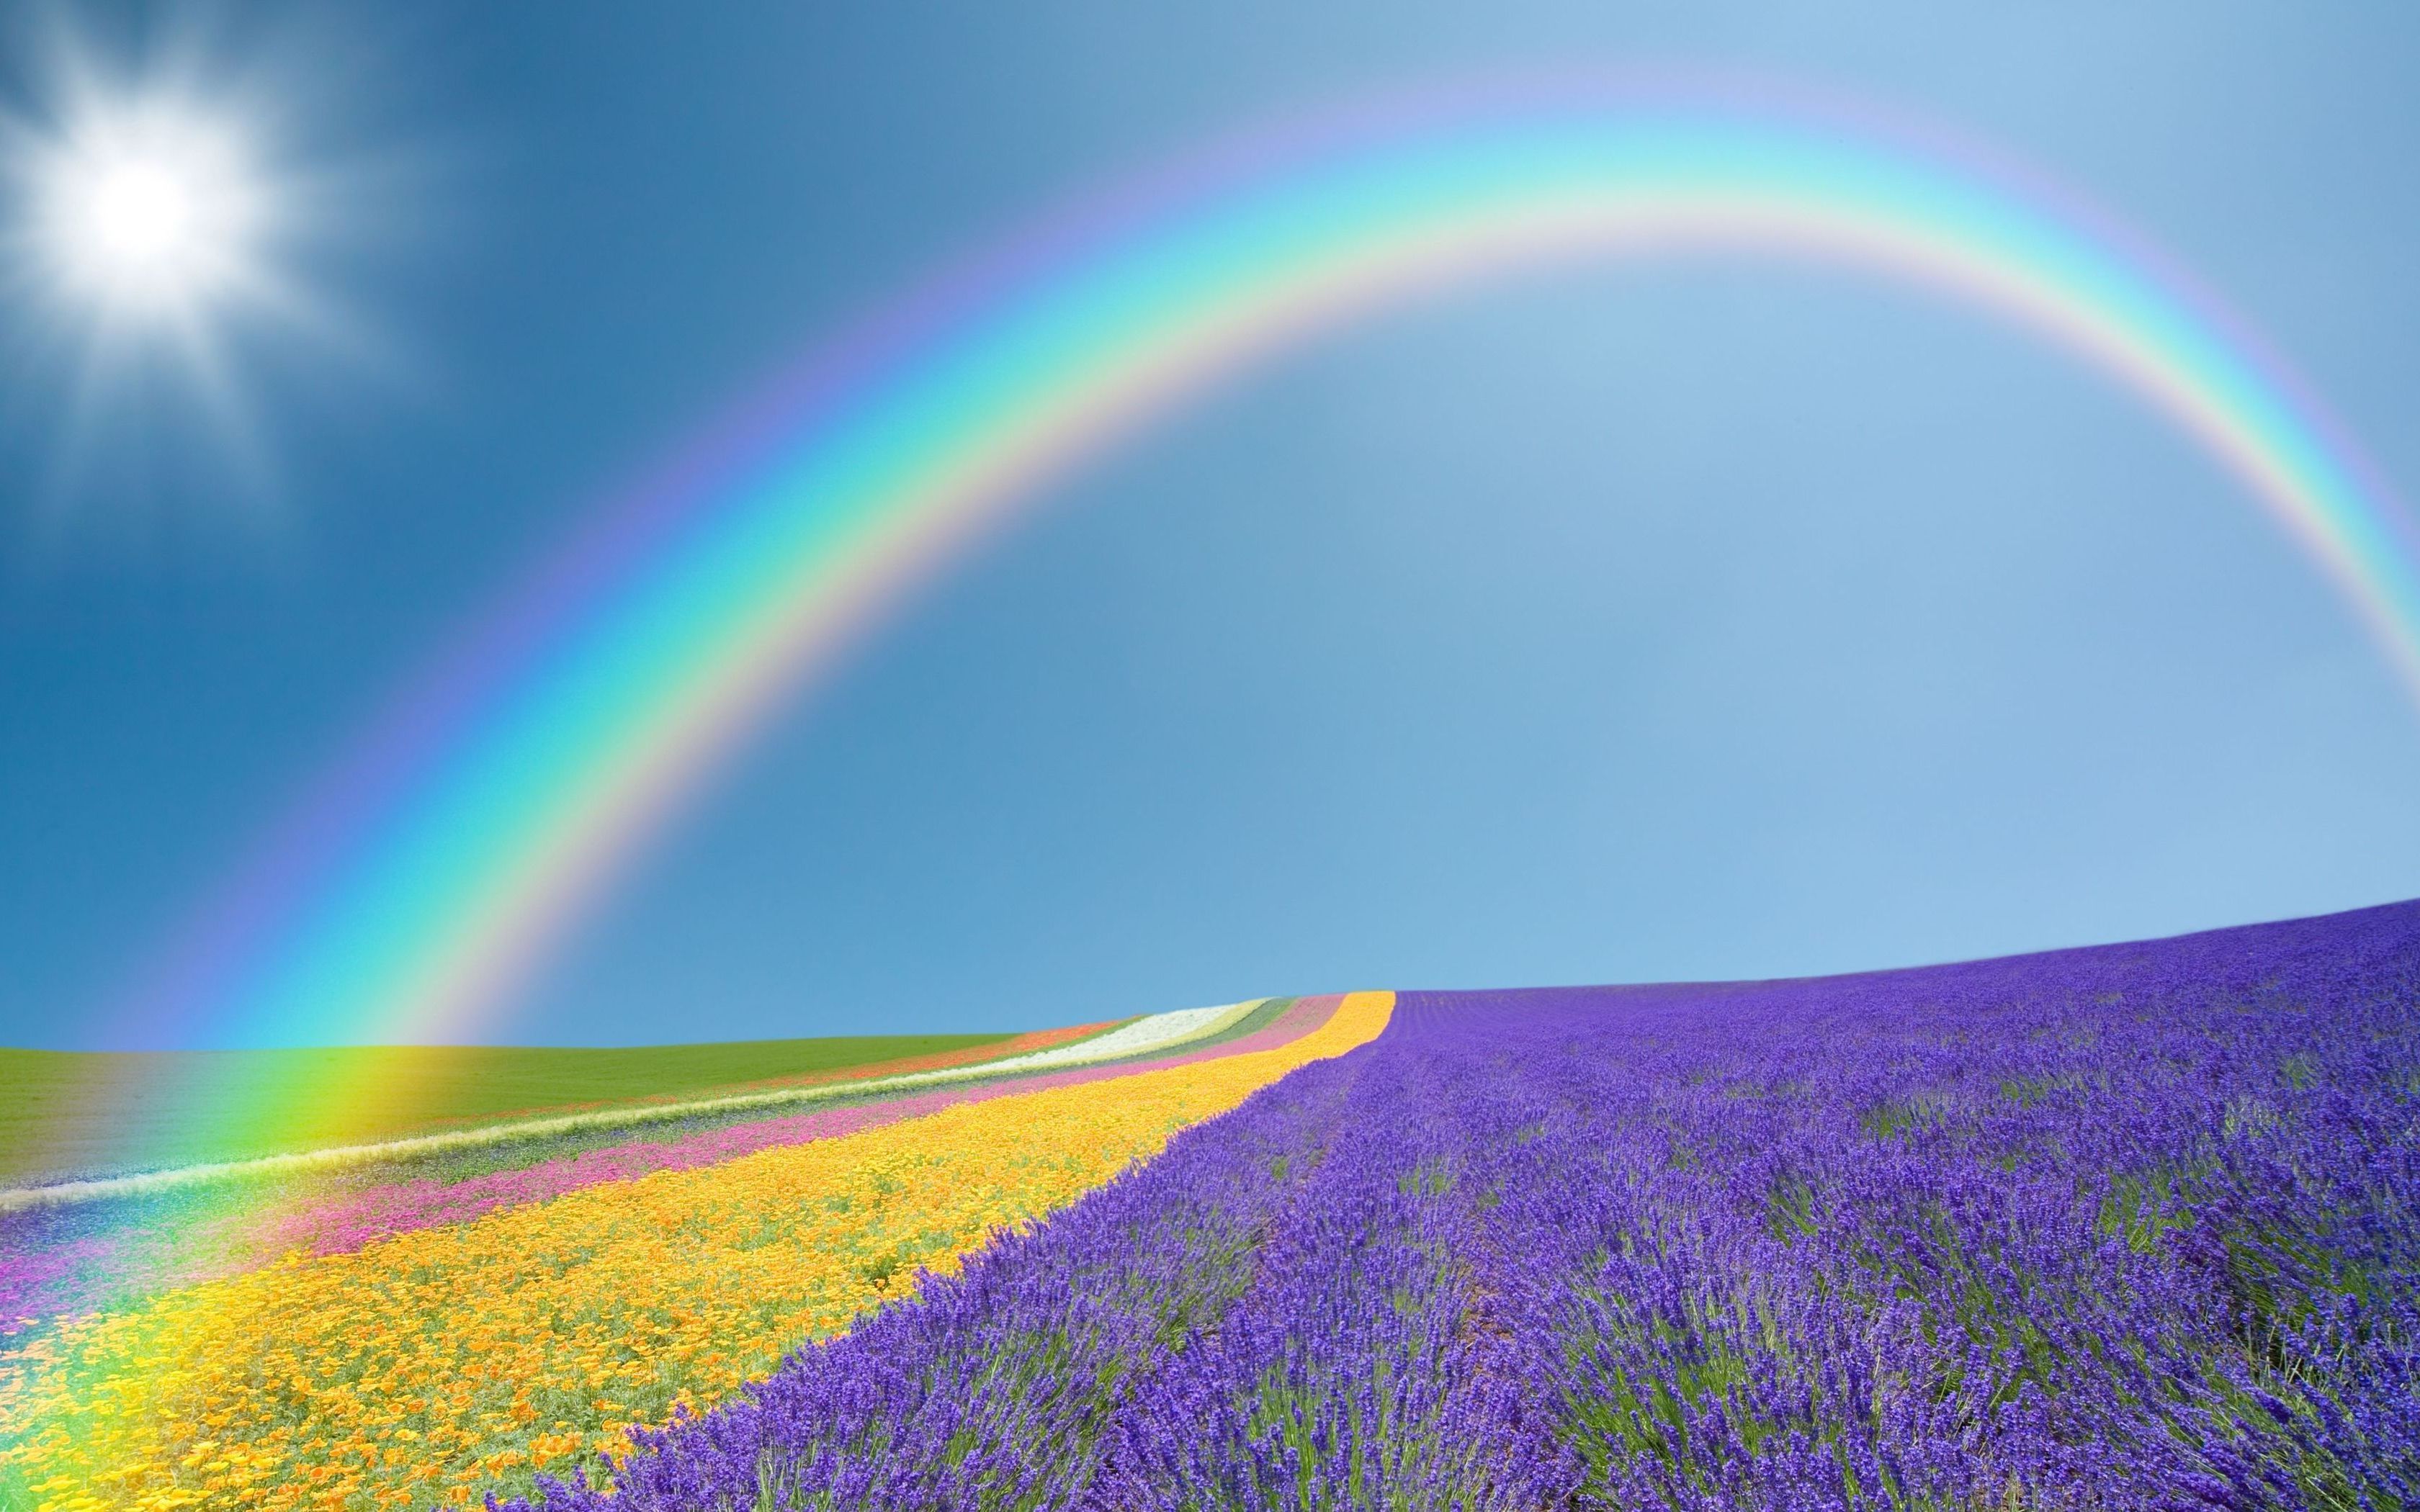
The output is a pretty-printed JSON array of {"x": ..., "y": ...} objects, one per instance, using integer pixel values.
[{"x": 527, "y": 1339}]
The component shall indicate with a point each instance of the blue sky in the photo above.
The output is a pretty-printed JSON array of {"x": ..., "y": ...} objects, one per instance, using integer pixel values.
[{"x": 1686, "y": 621}]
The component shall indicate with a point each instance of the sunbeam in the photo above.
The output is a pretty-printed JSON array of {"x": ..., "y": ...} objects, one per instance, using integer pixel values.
[{"x": 167, "y": 217}]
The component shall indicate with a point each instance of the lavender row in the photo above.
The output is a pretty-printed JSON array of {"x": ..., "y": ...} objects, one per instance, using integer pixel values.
[{"x": 2130, "y": 1227}]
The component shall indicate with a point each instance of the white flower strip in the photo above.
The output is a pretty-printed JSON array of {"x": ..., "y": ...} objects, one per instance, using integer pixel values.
[{"x": 1153, "y": 1031}]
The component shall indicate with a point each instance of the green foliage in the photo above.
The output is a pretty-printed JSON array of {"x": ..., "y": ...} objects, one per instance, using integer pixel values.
[{"x": 79, "y": 1114}]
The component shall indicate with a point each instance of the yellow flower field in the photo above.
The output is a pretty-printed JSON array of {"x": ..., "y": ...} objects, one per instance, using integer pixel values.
[{"x": 432, "y": 1366}]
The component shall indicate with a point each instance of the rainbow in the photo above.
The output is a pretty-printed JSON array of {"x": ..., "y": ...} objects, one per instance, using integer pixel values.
[{"x": 434, "y": 869}]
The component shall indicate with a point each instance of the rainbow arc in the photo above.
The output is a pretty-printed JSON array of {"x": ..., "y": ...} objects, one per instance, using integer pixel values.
[{"x": 430, "y": 872}]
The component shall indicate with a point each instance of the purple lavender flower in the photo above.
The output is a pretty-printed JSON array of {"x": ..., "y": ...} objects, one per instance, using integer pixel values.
[{"x": 2125, "y": 1227}]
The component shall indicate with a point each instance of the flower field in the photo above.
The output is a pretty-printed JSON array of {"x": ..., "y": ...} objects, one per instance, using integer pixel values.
[
  {"x": 80, "y": 1114},
  {"x": 2125, "y": 1227},
  {"x": 437, "y": 1360},
  {"x": 74, "y": 1258},
  {"x": 2130, "y": 1227}
]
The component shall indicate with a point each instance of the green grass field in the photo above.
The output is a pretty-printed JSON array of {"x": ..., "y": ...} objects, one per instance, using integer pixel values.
[{"x": 66, "y": 1114}]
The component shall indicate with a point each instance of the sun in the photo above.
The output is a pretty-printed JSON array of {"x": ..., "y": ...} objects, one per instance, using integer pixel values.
[
  {"x": 178, "y": 227},
  {"x": 146, "y": 211}
]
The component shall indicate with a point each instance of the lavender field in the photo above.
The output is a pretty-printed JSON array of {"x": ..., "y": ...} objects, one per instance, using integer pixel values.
[{"x": 2123, "y": 1228}]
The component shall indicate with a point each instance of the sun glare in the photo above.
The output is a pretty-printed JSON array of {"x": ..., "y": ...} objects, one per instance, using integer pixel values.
[
  {"x": 144, "y": 210},
  {"x": 138, "y": 215},
  {"x": 175, "y": 222}
]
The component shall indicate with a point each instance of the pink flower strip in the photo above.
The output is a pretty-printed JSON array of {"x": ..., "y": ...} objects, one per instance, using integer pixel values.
[{"x": 86, "y": 1272}]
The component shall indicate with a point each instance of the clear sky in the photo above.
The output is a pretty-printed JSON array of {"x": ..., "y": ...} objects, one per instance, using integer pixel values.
[{"x": 1642, "y": 623}]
